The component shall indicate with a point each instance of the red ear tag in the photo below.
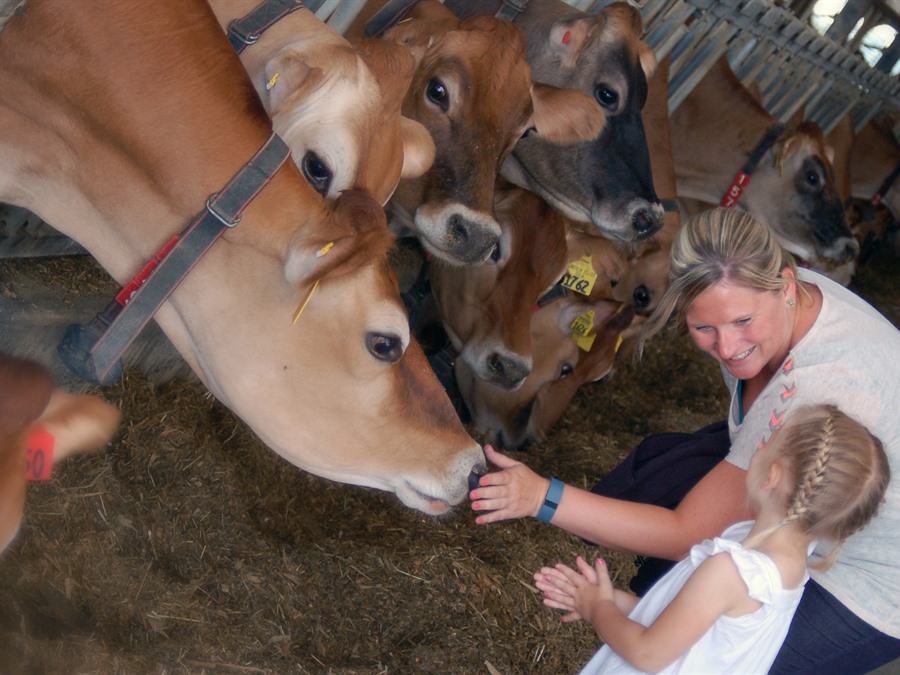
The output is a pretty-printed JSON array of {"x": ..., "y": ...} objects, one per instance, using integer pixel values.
[
  {"x": 567, "y": 37},
  {"x": 39, "y": 460}
]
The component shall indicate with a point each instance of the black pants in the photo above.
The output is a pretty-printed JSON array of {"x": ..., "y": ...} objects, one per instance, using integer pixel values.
[{"x": 661, "y": 470}]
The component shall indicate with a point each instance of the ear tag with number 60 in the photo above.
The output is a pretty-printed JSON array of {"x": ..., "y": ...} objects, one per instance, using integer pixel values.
[
  {"x": 580, "y": 276},
  {"x": 581, "y": 330}
]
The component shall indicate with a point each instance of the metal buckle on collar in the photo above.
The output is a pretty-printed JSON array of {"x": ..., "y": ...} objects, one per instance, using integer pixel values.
[
  {"x": 236, "y": 30},
  {"x": 218, "y": 215}
]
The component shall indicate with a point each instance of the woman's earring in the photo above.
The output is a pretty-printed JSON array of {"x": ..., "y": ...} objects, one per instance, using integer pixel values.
[{"x": 791, "y": 303}]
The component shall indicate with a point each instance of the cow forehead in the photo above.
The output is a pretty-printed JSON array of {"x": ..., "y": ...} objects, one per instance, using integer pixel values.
[{"x": 496, "y": 71}]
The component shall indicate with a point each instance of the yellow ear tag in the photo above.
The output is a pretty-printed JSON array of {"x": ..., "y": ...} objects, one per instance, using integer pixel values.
[
  {"x": 325, "y": 249},
  {"x": 271, "y": 83},
  {"x": 779, "y": 163},
  {"x": 619, "y": 342},
  {"x": 580, "y": 276},
  {"x": 581, "y": 330}
]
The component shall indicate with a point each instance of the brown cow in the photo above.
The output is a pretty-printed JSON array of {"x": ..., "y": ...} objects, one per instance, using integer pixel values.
[
  {"x": 336, "y": 106},
  {"x": 487, "y": 308},
  {"x": 513, "y": 419},
  {"x": 716, "y": 129},
  {"x": 606, "y": 180},
  {"x": 118, "y": 138},
  {"x": 32, "y": 408},
  {"x": 473, "y": 91}
]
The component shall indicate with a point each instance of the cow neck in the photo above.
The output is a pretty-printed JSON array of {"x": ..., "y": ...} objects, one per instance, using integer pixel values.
[
  {"x": 742, "y": 179},
  {"x": 396, "y": 10},
  {"x": 93, "y": 351},
  {"x": 885, "y": 186},
  {"x": 245, "y": 31}
]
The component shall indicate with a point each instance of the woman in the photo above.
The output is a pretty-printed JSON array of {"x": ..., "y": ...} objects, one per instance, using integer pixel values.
[{"x": 783, "y": 338}]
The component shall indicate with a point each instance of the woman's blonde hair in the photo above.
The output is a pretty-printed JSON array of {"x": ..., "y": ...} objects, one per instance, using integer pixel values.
[
  {"x": 838, "y": 473},
  {"x": 713, "y": 246}
]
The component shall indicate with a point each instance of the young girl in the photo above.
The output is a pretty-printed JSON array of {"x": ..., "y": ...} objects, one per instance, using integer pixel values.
[{"x": 728, "y": 605}]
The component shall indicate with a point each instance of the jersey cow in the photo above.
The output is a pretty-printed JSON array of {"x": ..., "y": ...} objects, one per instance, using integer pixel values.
[
  {"x": 474, "y": 93},
  {"x": 337, "y": 106},
  {"x": 487, "y": 308},
  {"x": 575, "y": 339},
  {"x": 605, "y": 180},
  {"x": 720, "y": 129},
  {"x": 41, "y": 425},
  {"x": 118, "y": 138}
]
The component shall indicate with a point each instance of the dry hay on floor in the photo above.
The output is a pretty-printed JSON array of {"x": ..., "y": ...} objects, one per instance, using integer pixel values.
[{"x": 187, "y": 547}]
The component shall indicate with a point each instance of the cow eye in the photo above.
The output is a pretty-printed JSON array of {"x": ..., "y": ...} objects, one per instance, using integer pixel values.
[
  {"x": 316, "y": 172},
  {"x": 606, "y": 97},
  {"x": 565, "y": 371},
  {"x": 387, "y": 348},
  {"x": 640, "y": 297},
  {"x": 528, "y": 132},
  {"x": 437, "y": 94},
  {"x": 812, "y": 178},
  {"x": 495, "y": 254}
]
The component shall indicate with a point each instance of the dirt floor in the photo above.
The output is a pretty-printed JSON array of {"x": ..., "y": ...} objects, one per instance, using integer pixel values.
[{"x": 187, "y": 547}]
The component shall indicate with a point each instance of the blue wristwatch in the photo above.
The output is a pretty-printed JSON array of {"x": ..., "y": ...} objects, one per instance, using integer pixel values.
[{"x": 551, "y": 501}]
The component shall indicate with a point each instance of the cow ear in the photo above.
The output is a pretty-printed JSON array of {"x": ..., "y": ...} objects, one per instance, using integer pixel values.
[
  {"x": 568, "y": 37},
  {"x": 565, "y": 115},
  {"x": 418, "y": 148},
  {"x": 361, "y": 231},
  {"x": 829, "y": 153},
  {"x": 647, "y": 57},
  {"x": 286, "y": 75}
]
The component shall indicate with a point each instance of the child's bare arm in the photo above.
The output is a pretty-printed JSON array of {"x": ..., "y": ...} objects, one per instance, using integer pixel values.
[{"x": 714, "y": 588}]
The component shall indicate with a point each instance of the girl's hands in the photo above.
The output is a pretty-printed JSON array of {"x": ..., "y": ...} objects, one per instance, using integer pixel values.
[
  {"x": 575, "y": 592},
  {"x": 513, "y": 492}
]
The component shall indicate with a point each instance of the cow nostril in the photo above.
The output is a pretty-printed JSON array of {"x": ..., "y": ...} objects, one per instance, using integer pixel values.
[
  {"x": 457, "y": 229},
  {"x": 644, "y": 223},
  {"x": 495, "y": 363},
  {"x": 507, "y": 372},
  {"x": 475, "y": 475}
]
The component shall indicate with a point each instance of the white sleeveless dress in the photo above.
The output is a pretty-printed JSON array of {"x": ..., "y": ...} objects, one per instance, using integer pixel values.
[{"x": 744, "y": 644}]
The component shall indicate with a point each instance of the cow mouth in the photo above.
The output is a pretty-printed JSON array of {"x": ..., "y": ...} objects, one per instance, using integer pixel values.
[{"x": 430, "y": 504}]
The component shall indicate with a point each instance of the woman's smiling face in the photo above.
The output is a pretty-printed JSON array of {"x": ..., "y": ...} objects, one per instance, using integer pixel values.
[{"x": 744, "y": 329}]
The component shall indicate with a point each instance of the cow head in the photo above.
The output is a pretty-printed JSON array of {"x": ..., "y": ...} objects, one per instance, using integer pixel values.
[
  {"x": 330, "y": 378},
  {"x": 473, "y": 91},
  {"x": 514, "y": 419},
  {"x": 605, "y": 180},
  {"x": 486, "y": 308},
  {"x": 29, "y": 401},
  {"x": 793, "y": 192},
  {"x": 338, "y": 108}
]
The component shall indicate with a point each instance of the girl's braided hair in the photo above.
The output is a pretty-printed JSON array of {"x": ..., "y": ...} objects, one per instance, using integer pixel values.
[{"x": 840, "y": 473}]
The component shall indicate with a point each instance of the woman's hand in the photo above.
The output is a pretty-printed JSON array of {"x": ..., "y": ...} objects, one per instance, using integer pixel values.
[{"x": 513, "y": 492}]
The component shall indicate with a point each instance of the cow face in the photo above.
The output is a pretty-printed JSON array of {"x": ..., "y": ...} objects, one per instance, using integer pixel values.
[
  {"x": 518, "y": 418},
  {"x": 560, "y": 364},
  {"x": 487, "y": 308},
  {"x": 605, "y": 180},
  {"x": 353, "y": 398},
  {"x": 793, "y": 192},
  {"x": 338, "y": 108},
  {"x": 473, "y": 92}
]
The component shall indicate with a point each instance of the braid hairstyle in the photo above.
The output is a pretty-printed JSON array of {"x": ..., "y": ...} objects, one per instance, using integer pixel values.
[{"x": 839, "y": 474}]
